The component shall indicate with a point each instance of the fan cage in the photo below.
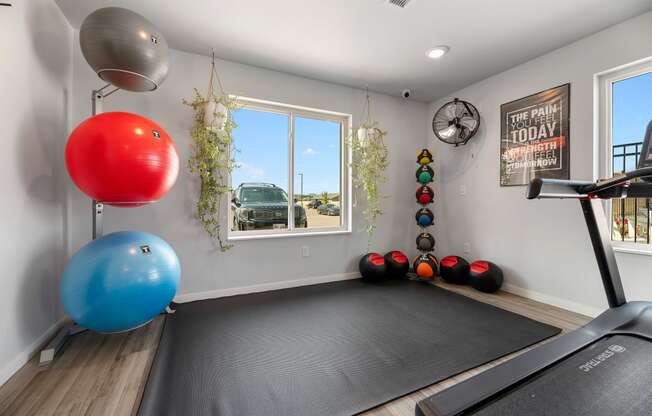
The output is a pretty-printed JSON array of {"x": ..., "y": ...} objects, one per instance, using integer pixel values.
[{"x": 440, "y": 117}]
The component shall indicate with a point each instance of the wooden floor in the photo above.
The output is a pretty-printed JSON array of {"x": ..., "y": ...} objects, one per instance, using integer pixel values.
[{"x": 105, "y": 374}]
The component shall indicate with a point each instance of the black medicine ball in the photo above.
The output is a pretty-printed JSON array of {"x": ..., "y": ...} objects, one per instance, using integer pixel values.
[
  {"x": 397, "y": 264},
  {"x": 454, "y": 269},
  {"x": 425, "y": 242},
  {"x": 485, "y": 276},
  {"x": 372, "y": 266}
]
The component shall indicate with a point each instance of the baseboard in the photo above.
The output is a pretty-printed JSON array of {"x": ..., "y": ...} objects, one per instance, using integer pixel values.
[
  {"x": 553, "y": 300},
  {"x": 264, "y": 287},
  {"x": 32, "y": 349}
]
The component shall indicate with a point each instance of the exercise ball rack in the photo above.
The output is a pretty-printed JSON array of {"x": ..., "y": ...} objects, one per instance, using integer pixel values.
[{"x": 139, "y": 25}]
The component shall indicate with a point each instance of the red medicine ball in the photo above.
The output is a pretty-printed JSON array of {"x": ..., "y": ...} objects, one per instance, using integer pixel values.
[
  {"x": 424, "y": 194},
  {"x": 122, "y": 159}
]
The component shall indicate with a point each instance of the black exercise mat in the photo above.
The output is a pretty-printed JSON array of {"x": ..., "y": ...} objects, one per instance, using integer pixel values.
[
  {"x": 331, "y": 349},
  {"x": 612, "y": 377}
]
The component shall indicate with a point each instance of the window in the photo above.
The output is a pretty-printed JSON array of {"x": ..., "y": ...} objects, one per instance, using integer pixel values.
[
  {"x": 291, "y": 175},
  {"x": 626, "y": 109}
]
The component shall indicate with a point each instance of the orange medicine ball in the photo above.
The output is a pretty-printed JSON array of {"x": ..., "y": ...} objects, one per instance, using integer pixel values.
[
  {"x": 425, "y": 266},
  {"x": 122, "y": 159}
]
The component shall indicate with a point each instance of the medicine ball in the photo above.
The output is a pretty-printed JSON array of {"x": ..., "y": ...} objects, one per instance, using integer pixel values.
[
  {"x": 424, "y": 217},
  {"x": 424, "y": 157},
  {"x": 425, "y": 242},
  {"x": 397, "y": 264},
  {"x": 425, "y": 266},
  {"x": 424, "y": 194},
  {"x": 425, "y": 174},
  {"x": 485, "y": 276},
  {"x": 455, "y": 270},
  {"x": 372, "y": 266}
]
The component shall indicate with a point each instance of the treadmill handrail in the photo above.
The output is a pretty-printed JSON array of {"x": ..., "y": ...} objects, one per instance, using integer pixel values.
[
  {"x": 620, "y": 180},
  {"x": 556, "y": 188},
  {"x": 619, "y": 187}
]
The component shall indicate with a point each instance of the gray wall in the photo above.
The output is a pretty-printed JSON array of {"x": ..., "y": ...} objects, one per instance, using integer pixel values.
[
  {"x": 36, "y": 49},
  {"x": 543, "y": 246},
  {"x": 268, "y": 263}
]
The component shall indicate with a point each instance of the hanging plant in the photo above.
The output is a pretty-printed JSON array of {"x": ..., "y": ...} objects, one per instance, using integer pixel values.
[
  {"x": 211, "y": 157},
  {"x": 370, "y": 160}
]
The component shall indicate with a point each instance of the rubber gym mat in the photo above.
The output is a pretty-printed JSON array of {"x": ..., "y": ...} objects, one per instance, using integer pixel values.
[
  {"x": 611, "y": 377},
  {"x": 330, "y": 349}
]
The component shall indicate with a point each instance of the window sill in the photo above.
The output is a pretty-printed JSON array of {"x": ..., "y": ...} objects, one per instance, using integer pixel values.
[
  {"x": 254, "y": 236},
  {"x": 633, "y": 248}
]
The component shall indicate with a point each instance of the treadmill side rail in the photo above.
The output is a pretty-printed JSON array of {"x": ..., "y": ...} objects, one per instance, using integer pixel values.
[{"x": 633, "y": 318}]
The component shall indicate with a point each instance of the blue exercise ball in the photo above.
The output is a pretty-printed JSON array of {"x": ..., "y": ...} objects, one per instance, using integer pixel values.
[{"x": 120, "y": 281}]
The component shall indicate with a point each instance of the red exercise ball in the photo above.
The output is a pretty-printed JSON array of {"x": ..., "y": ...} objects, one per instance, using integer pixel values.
[{"x": 122, "y": 159}]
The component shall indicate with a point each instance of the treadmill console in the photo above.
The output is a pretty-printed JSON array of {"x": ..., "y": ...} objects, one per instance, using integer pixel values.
[{"x": 645, "y": 160}]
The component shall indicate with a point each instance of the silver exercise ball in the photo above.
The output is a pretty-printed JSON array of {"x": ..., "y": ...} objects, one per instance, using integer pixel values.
[{"x": 124, "y": 49}]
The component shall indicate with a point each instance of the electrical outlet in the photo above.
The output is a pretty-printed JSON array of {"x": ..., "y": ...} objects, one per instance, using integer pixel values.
[
  {"x": 305, "y": 251},
  {"x": 467, "y": 248},
  {"x": 463, "y": 190}
]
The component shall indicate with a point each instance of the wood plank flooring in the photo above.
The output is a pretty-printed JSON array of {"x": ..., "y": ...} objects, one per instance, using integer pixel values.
[{"x": 106, "y": 374}]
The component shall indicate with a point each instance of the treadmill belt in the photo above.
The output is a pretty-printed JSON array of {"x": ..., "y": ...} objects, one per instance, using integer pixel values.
[
  {"x": 613, "y": 377},
  {"x": 330, "y": 349}
]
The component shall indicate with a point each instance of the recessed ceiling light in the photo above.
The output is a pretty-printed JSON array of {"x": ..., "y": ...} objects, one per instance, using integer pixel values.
[{"x": 437, "y": 52}]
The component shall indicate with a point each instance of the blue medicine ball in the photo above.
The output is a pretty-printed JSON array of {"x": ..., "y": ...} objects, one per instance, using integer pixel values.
[
  {"x": 425, "y": 217},
  {"x": 120, "y": 281}
]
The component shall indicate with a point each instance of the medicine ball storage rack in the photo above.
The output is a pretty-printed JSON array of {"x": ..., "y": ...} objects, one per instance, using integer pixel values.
[
  {"x": 142, "y": 66},
  {"x": 425, "y": 265}
]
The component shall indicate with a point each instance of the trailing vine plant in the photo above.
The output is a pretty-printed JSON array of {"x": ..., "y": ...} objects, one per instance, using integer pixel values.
[
  {"x": 370, "y": 160},
  {"x": 211, "y": 154}
]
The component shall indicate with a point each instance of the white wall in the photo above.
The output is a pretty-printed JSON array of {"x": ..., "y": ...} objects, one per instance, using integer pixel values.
[
  {"x": 36, "y": 50},
  {"x": 542, "y": 245},
  {"x": 254, "y": 262}
]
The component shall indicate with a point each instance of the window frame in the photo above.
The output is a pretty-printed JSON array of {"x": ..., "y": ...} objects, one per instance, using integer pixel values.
[
  {"x": 293, "y": 111},
  {"x": 603, "y": 83}
]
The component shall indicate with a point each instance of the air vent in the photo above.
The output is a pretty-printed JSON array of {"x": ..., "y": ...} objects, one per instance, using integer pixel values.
[{"x": 399, "y": 3}]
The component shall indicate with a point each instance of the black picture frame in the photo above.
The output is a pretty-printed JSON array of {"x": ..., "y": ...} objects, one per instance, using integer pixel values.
[{"x": 535, "y": 137}]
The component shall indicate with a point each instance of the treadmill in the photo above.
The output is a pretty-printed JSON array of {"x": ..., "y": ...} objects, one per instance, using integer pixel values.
[{"x": 601, "y": 369}]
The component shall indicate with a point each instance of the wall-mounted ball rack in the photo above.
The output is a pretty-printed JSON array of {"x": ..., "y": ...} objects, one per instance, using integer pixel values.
[{"x": 425, "y": 265}]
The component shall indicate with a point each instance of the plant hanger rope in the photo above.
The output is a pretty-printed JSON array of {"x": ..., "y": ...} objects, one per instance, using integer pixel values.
[
  {"x": 368, "y": 108},
  {"x": 211, "y": 80}
]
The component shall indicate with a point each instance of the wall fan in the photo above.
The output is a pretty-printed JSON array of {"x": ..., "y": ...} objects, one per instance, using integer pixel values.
[{"x": 456, "y": 122}]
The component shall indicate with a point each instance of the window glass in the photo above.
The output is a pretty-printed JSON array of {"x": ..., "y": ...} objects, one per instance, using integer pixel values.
[
  {"x": 260, "y": 178},
  {"x": 631, "y": 105},
  {"x": 317, "y": 167},
  {"x": 289, "y": 170}
]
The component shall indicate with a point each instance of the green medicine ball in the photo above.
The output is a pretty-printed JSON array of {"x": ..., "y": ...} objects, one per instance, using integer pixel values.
[
  {"x": 425, "y": 174},
  {"x": 424, "y": 177}
]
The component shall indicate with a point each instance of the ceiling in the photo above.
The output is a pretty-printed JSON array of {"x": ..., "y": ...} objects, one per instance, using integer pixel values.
[{"x": 372, "y": 42}]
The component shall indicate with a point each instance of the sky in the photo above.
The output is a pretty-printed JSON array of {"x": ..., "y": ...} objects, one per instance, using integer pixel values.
[
  {"x": 632, "y": 111},
  {"x": 261, "y": 140}
]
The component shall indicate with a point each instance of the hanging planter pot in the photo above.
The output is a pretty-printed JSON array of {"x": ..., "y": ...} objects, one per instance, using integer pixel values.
[
  {"x": 215, "y": 115},
  {"x": 367, "y": 134}
]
